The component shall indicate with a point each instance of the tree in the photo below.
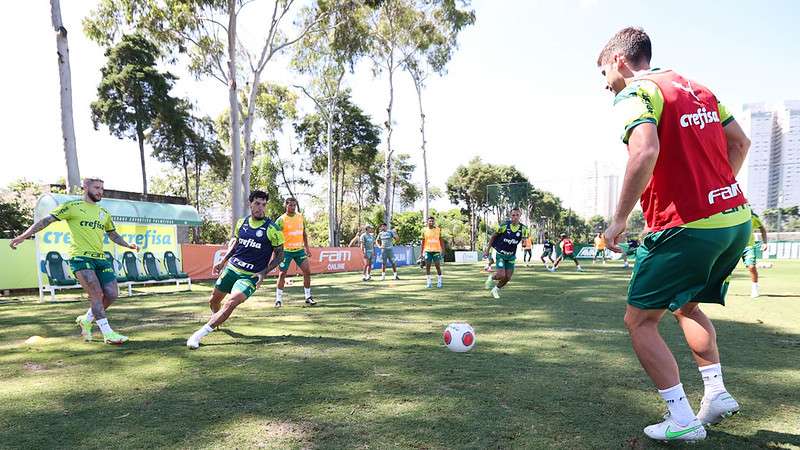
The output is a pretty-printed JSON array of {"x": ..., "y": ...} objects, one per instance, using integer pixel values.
[
  {"x": 198, "y": 30},
  {"x": 65, "y": 80},
  {"x": 325, "y": 57},
  {"x": 189, "y": 143},
  {"x": 636, "y": 222},
  {"x": 434, "y": 38},
  {"x": 401, "y": 181},
  {"x": 390, "y": 30},
  {"x": 597, "y": 223},
  {"x": 408, "y": 226},
  {"x": 352, "y": 139},
  {"x": 132, "y": 92}
]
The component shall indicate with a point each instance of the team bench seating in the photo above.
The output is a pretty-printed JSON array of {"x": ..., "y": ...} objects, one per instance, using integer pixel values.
[
  {"x": 149, "y": 272},
  {"x": 58, "y": 275}
]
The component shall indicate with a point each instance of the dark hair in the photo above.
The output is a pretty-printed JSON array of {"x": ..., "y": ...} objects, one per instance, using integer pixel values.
[
  {"x": 563, "y": 235},
  {"x": 258, "y": 194},
  {"x": 632, "y": 43},
  {"x": 431, "y": 217},
  {"x": 516, "y": 208},
  {"x": 289, "y": 199},
  {"x": 383, "y": 224}
]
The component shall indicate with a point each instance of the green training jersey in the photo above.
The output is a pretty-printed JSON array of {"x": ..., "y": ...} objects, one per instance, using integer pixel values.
[
  {"x": 88, "y": 223},
  {"x": 274, "y": 232},
  {"x": 641, "y": 102}
]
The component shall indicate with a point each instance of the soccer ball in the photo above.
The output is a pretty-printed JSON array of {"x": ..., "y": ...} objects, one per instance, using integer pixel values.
[{"x": 459, "y": 337}]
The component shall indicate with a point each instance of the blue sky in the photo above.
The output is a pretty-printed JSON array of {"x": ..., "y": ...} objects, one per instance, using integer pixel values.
[{"x": 523, "y": 88}]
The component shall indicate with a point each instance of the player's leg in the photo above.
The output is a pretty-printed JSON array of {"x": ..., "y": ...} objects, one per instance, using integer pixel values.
[
  {"x": 749, "y": 259},
  {"x": 215, "y": 301},
  {"x": 394, "y": 264},
  {"x": 283, "y": 268},
  {"x": 577, "y": 264},
  {"x": 93, "y": 288},
  {"x": 438, "y": 263},
  {"x": 243, "y": 287},
  {"x": 305, "y": 267},
  {"x": 428, "y": 261}
]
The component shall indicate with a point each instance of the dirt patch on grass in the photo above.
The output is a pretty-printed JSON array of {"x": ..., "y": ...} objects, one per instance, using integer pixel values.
[
  {"x": 33, "y": 367},
  {"x": 283, "y": 431}
]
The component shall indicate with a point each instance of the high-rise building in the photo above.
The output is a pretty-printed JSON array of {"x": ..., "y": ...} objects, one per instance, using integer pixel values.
[
  {"x": 773, "y": 163},
  {"x": 600, "y": 186}
]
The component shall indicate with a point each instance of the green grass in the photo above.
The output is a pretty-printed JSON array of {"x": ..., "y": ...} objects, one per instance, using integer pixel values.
[{"x": 552, "y": 368}]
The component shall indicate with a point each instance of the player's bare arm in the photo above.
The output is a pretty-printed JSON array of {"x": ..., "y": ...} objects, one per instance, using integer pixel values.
[
  {"x": 218, "y": 267},
  {"x": 738, "y": 145},
  {"x": 305, "y": 242},
  {"x": 33, "y": 229},
  {"x": 643, "y": 149},
  {"x": 277, "y": 258},
  {"x": 117, "y": 239}
]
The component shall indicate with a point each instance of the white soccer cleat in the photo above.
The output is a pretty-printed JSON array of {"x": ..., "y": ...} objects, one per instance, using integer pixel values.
[
  {"x": 278, "y": 303},
  {"x": 193, "y": 343},
  {"x": 428, "y": 285},
  {"x": 551, "y": 269},
  {"x": 439, "y": 284},
  {"x": 396, "y": 277},
  {"x": 754, "y": 292},
  {"x": 668, "y": 430},
  {"x": 383, "y": 277},
  {"x": 715, "y": 410},
  {"x": 579, "y": 269},
  {"x": 496, "y": 292}
]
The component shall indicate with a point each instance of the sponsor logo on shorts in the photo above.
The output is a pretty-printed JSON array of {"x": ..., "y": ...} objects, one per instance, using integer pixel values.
[{"x": 724, "y": 193}]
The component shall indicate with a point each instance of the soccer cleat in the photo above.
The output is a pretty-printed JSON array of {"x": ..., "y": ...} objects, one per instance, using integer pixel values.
[
  {"x": 714, "y": 410},
  {"x": 310, "y": 301},
  {"x": 626, "y": 265},
  {"x": 114, "y": 338},
  {"x": 439, "y": 284},
  {"x": 86, "y": 327},
  {"x": 278, "y": 303},
  {"x": 551, "y": 269},
  {"x": 668, "y": 430},
  {"x": 488, "y": 283},
  {"x": 396, "y": 277},
  {"x": 496, "y": 292},
  {"x": 754, "y": 292},
  {"x": 383, "y": 277},
  {"x": 193, "y": 343},
  {"x": 579, "y": 269},
  {"x": 428, "y": 285}
]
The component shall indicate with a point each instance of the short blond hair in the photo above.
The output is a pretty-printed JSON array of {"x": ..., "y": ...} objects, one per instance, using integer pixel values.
[{"x": 88, "y": 180}]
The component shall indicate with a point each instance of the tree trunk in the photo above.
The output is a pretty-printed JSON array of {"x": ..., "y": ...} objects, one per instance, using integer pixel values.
[
  {"x": 331, "y": 181},
  {"x": 425, "y": 194},
  {"x": 387, "y": 164},
  {"x": 248, "y": 133},
  {"x": 233, "y": 104},
  {"x": 140, "y": 138},
  {"x": 196, "y": 236},
  {"x": 65, "y": 79}
]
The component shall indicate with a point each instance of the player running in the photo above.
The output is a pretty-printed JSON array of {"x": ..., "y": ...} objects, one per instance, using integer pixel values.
[
  {"x": 295, "y": 249},
  {"x": 432, "y": 247},
  {"x": 633, "y": 244},
  {"x": 599, "y": 248},
  {"x": 527, "y": 251},
  {"x": 567, "y": 247},
  {"x": 504, "y": 241},
  {"x": 367, "y": 243},
  {"x": 684, "y": 150},
  {"x": 88, "y": 222},
  {"x": 386, "y": 239},
  {"x": 547, "y": 252},
  {"x": 749, "y": 255},
  {"x": 256, "y": 239}
]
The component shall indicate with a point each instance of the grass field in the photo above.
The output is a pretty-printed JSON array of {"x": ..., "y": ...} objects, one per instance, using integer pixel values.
[{"x": 552, "y": 368}]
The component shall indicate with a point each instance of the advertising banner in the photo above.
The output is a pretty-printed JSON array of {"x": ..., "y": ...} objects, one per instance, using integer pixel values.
[
  {"x": 17, "y": 264},
  {"x": 403, "y": 256},
  {"x": 150, "y": 238},
  {"x": 198, "y": 260}
]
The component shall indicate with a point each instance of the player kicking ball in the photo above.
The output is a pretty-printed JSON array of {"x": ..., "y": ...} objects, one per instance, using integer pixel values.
[
  {"x": 88, "y": 222},
  {"x": 246, "y": 263},
  {"x": 432, "y": 247},
  {"x": 673, "y": 125},
  {"x": 504, "y": 241}
]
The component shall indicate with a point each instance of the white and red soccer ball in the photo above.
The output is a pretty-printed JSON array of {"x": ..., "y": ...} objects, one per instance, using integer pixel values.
[{"x": 459, "y": 337}]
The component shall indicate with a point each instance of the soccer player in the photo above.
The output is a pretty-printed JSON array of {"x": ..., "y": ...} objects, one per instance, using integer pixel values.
[
  {"x": 749, "y": 255},
  {"x": 547, "y": 251},
  {"x": 633, "y": 244},
  {"x": 386, "y": 239},
  {"x": 567, "y": 247},
  {"x": 432, "y": 247},
  {"x": 367, "y": 240},
  {"x": 527, "y": 251},
  {"x": 296, "y": 249},
  {"x": 599, "y": 248},
  {"x": 246, "y": 263},
  {"x": 684, "y": 150},
  {"x": 88, "y": 222},
  {"x": 504, "y": 241}
]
